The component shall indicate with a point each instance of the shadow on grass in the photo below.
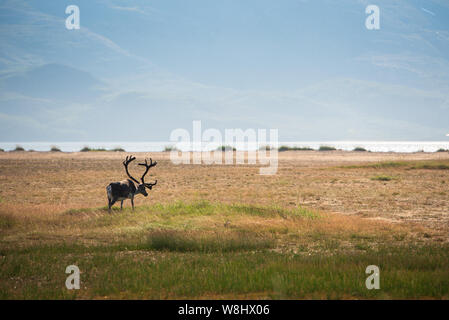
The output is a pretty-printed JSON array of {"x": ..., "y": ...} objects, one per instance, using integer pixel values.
[{"x": 171, "y": 240}]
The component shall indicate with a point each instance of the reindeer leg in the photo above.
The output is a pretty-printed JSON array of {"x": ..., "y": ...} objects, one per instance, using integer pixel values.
[
  {"x": 111, "y": 203},
  {"x": 121, "y": 205},
  {"x": 132, "y": 203}
]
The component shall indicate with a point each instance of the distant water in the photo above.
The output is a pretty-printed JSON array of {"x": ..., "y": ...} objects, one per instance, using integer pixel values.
[
  {"x": 378, "y": 146},
  {"x": 375, "y": 146}
]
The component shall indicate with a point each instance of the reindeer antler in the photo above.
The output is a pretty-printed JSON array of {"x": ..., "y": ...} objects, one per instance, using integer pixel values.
[
  {"x": 147, "y": 166},
  {"x": 127, "y": 161},
  {"x": 149, "y": 185}
]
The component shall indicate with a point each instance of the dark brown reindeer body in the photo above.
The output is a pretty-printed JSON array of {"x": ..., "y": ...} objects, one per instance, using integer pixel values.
[{"x": 126, "y": 189}]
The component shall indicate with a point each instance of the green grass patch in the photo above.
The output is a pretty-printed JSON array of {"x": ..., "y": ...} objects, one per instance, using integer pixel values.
[
  {"x": 408, "y": 165},
  {"x": 179, "y": 215},
  {"x": 378, "y": 165},
  {"x": 204, "y": 208},
  {"x": 6, "y": 221},
  {"x": 172, "y": 240},
  {"x": 202, "y": 249},
  {"x": 407, "y": 272},
  {"x": 432, "y": 165},
  {"x": 382, "y": 178}
]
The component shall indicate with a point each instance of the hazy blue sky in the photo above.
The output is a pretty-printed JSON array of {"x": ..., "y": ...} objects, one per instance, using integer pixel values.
[{"x": 136, "y": 70}]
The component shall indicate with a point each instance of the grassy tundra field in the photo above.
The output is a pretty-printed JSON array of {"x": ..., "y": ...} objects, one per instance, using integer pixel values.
[{"x": 215, "y": 232}]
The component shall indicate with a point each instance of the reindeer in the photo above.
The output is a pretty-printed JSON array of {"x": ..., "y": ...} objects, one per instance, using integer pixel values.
[{"x": 126, "y": 189}]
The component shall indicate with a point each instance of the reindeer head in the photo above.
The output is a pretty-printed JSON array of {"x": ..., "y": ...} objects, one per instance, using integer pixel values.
[{"x": 141, "y": 186}]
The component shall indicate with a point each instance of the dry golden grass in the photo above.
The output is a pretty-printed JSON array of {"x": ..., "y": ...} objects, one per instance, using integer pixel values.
[
  {"x": 39, "y": 184},
  {"x": 37, "y": 189}
]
